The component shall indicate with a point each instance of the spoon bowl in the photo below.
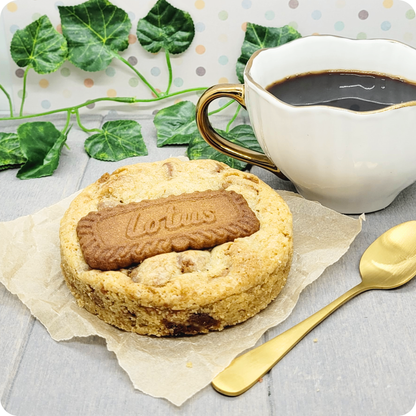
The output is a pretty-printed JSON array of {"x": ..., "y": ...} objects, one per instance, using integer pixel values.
[{"x": 389, "y": 262}]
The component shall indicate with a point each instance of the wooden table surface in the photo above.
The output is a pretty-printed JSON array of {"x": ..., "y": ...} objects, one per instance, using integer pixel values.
[{"x": 360, "y": 361}]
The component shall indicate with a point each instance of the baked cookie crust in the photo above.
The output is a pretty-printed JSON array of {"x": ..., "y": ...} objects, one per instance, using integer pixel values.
[{"x": 189, "y": 292}]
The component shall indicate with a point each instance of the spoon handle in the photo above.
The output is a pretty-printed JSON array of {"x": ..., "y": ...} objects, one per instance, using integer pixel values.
[{"x": 245, "y": 370}]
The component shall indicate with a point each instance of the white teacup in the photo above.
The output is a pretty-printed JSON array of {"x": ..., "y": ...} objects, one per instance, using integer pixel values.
[{"x": 350, "y": 161}]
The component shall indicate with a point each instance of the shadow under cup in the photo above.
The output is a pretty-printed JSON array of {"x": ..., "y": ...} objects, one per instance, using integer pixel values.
[{"x": 350, "y": 161}]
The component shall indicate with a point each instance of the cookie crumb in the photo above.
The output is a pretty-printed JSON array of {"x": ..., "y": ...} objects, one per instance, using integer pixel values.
[
  {"x": 315, "y": 340},
  {"x": 189, "y": 364},
  {"x": 317, "y": 389},
  {"x": 260, "y": 380}
]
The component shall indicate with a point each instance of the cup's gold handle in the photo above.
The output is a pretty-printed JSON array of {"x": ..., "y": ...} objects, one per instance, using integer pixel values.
[{"x": 236, "y": 92}]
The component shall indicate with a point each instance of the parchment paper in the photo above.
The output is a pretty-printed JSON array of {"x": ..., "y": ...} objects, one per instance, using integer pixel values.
[{"x": 172, "y": 368}]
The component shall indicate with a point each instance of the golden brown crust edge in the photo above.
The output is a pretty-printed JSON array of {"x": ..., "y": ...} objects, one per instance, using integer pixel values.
[{"x": 166, "y": 322}]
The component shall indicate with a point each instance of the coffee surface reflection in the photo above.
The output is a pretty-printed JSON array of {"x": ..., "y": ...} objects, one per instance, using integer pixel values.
[{"x": 350, "y": 90}]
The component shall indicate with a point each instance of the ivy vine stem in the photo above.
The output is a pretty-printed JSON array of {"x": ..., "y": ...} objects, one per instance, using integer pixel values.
[
  {"x": 24, "y": 90},
  {"x": 232, "y": 119},
  {"x": 169, "y": 64},
  {"x": 125, "y": 100},
  {"x": 65, "y": 129},
  {"x": 68, "y": 120},
  {"x": 137, "y": 73},
  {"x": 8, "y": 97},
  {"x": 221, "y": 108},
  {"x": 83, "y": 127}
]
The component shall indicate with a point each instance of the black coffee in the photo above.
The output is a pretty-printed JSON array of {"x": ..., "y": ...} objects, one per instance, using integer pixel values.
[{"x": 350, "y": 90}]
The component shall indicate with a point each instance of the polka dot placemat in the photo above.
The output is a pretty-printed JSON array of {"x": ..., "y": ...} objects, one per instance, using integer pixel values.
[{"x": 211, "y": 58}]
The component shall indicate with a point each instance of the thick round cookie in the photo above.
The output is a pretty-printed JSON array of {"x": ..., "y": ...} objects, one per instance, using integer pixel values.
[{"x": 187, "y": 292}]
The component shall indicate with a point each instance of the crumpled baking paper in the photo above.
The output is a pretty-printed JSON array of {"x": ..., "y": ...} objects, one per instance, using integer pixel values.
[{"x": 171, "y": 368}]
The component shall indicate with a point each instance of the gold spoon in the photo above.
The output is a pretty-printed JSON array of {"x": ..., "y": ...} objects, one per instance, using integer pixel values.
[{"x": 389, "y": 262}]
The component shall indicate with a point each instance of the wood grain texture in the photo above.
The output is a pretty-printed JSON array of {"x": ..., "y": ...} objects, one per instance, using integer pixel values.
[{"x": 360, "y": 361}]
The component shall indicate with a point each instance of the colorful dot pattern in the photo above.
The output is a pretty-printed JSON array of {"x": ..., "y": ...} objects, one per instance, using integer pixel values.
[{"x": 211, "y": 59}]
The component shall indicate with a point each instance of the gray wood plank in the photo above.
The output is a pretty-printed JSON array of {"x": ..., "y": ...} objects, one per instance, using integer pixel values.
[
  {"x": 80, "y": 377},
  {"x": 22, "y": 198},
  {"x": 16, "y": 323}
]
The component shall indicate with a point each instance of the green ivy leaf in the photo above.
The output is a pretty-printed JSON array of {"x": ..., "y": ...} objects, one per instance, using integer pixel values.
[
  {"x": 165, "y": 27},
  {"x": 95, "y": 31},
  {"x": 41, "y": 145},
  {"x": 40, "y": 46},
  {"x": 242, "y": 135},
  {"x": 176, "y": 124},
  {"x": 258, "y": 37},
  {"x": 118, "y": 140},
  {"x": 10, "y": 154}
]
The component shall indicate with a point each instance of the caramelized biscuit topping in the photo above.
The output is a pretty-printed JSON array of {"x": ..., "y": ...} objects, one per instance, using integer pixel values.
[{"x": 118, "y": 237}]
